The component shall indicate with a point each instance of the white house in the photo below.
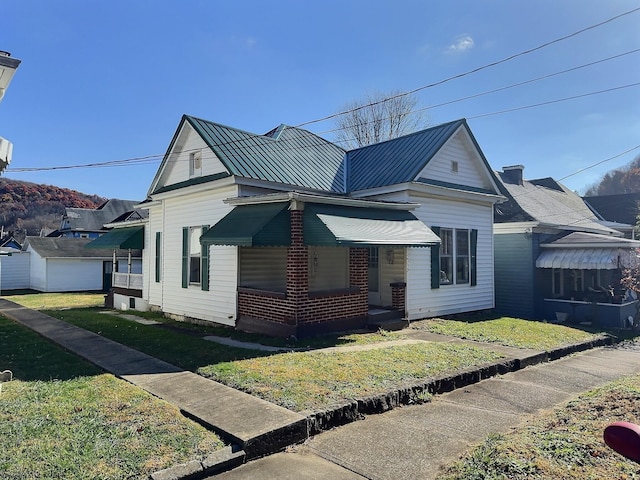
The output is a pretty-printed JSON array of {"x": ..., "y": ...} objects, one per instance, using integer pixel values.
[
  {"x": 289, "y": 234},
  {"x": 14, "y": 269},
  {"x": 59, "y": 264}
]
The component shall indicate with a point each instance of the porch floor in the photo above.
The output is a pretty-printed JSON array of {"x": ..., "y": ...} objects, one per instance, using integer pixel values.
[{"x": 385, "y": 319}]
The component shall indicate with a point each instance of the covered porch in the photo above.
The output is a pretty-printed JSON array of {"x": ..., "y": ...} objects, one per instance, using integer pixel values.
[
  {"x": 126, "y": 287},
  {"x": 581, "y": 274},
  {"x": 304, "y": 264}
]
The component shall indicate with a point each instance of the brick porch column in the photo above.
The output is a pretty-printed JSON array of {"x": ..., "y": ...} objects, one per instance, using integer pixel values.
[
  {"x": 297, "y": 268},
  {"x": 398, "y": 295},
  {"x": 359, "y": 276}
]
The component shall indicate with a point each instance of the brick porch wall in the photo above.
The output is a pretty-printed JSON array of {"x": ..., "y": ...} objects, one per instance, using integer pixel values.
[{"x": 298, "y": 306}]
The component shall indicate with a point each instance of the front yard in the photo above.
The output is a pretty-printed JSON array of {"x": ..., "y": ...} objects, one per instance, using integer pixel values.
[{"x": 63, "y": 418}]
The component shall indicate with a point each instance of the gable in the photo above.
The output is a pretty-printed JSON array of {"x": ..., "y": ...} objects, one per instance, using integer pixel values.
[
  {"x": 458, "y": 162},
  {"x": 176, "y": 166}
]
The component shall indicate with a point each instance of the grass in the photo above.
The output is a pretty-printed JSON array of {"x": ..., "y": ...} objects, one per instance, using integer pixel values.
[
  {"x": 565, "y": 443},
  {"x": 512, "y": 332},
  {"x": 63, "y": 418},
  {"x": 53, "y": 301},
  {"x": 295, "y": 380},
  {"x": 313, "y": 380}
]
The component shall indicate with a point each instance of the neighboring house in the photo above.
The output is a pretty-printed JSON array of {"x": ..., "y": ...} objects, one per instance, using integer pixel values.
[
  {"x": 64, "y": 265},
  {"x": 552, "y": 254},
  {"x": 617, "y": 211},
  {"x": 8, "y": 68},
  {"x": 90, "y": 223},
  {"x": 288, "y": 234},
  {"x": 125, "y": 234},
  {"x": 14, "y": 269},
  {"x": 10, "y": 242}
]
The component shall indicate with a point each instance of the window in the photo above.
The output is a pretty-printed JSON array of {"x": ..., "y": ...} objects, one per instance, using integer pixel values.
[
  {"x": 195, "y": 258},
  {"x": 454, "y": 166},
  {"x": 195, "y": 164},
  {"x": 446, "y": 256},
  {"x": 557, "y": 283},
  {"x": 462, "y": 256},
  {"x": 194, "y": 255},
  {"x": 455, "y": 256}
]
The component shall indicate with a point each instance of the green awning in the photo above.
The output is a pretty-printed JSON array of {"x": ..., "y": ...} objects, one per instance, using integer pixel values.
[
  {"x": 335, "y": 225},
  {"x": 267, "y": 224},
  {"x": 324, "y": 225},
  {"x": 125, "y": 238}
]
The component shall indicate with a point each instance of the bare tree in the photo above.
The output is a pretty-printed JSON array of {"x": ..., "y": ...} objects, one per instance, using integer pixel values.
[{"x": 378, "y": 117}]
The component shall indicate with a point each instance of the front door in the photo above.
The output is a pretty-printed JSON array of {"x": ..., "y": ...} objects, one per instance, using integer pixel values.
[
  {"x": 374, "y": 276},
  {"x": 107, "y": 275}
]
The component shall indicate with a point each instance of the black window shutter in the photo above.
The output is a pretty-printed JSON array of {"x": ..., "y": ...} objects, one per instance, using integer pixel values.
[
  {"x": 158, "y": 249},
  {"x": 474, "y": 263},
  {"x": 204, "y": 263},
  {"x": 185, "y": 257}
]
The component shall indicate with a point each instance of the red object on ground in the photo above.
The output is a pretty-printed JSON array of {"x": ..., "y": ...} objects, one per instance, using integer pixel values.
[{"x": 624, "y": 438}]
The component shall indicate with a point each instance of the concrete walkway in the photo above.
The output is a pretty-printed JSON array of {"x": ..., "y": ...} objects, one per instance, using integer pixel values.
[
  {"x": 256, "y": 426},
  {"x": 408, "y": 442},
  {"x": 415, "y": 441}
]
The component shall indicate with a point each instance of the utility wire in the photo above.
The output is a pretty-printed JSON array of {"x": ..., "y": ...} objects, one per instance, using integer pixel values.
[{"x": 469, "y": 72}]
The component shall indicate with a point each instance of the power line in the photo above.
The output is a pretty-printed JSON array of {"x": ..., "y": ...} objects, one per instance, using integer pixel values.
[
  {"x": 506, "y": 87},
  {"x": 600, "y": 162},
  {"x": 554, "y": 101},
  {"x": 469, "y": 72}
]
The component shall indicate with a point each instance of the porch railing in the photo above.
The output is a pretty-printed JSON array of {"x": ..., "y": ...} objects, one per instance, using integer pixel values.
[{"x": 127, "y": 280}]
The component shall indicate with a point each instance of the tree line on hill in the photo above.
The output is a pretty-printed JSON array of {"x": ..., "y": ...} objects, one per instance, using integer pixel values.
[{"x": 27, "y": 208}]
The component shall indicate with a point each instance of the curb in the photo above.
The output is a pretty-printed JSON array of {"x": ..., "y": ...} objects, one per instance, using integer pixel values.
[{"x": 356, "y": 409}]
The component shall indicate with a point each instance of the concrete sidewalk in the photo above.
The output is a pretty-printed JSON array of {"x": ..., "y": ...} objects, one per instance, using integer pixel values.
[
  {"x": 408, "y": 442},
  {"x": 254, "y": 425},
  {"x": 415, "y": 441}
]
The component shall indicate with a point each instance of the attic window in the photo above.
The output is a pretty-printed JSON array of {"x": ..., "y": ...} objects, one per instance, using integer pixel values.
[
  {"x": 454, "y": 166},
  {"x": 195, "y": 164}
]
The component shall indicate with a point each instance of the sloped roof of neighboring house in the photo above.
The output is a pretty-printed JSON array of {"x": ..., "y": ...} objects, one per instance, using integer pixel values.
[
  {"x": 621, "y": 208},
  {"x": 547, "y": 202},
  {"x": 93, "y": 220},
  {"x": 287, "y": 155},
  {"x": 577, "y": 239},
  {"x": 369, "y": 166},
  {"x": 61, "y": 247}
]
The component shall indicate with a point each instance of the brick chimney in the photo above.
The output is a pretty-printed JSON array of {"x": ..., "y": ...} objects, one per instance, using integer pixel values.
[{"x": 513, "y": 174}]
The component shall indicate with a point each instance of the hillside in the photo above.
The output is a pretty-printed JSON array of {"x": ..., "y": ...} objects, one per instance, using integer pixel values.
[{"x": 26, "y": 208}]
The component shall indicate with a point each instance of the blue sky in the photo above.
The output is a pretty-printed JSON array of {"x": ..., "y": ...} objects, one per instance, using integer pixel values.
[{"x": 103, "y": 81}]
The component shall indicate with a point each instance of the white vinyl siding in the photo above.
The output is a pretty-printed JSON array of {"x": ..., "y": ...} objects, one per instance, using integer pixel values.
[
  {"x": 152, "y": 290},
  {"x": 422, "y": 301},
  {"x": 264, "y": 268},
  {"x": 328, "y": 268},
  {"x": 14, "y": 271},
  {"x": 219, "y": 303},
  {"x": 180, "y": 164},
  {"x": 468, "y": 172}
]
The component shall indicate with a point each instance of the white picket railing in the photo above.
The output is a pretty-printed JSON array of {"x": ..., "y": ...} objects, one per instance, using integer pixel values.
[{"x": 127, "y": 280}]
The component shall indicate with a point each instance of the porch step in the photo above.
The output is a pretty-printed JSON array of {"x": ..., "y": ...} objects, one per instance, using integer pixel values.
[{"x": 388, "y": 320}]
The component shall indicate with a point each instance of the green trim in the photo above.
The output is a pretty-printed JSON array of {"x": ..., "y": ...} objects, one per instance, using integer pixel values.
[
  {"x": 158, "y": 258},
  {"x": 473, "y": 264},
  {"x": 191, "y": 182},
  {"x": 125, "y": 238},
  {"x": 204, "y": 262},
  {"x": 455, "y": 186},
  {"x": 435, "y": 261},
  {"x": 185, "y": 257}
]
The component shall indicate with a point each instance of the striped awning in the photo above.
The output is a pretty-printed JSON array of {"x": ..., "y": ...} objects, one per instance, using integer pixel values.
[{"x": 585, "y": 258}]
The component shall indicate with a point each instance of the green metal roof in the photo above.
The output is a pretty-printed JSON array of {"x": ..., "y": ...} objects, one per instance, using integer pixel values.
[
  {"x": 125, "y": 238},
  {"x": 267, "y": 224},
  {"x": 287, "y": 155},
  {"x": 399, "y": 160},
  {"x": 335, "y": 225}
]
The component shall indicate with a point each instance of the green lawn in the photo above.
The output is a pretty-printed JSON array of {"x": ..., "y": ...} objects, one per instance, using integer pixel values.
[
  {"x": 508, "y": 331},
  {"x": 565, "y": 443},
  {"x": 63, "y": 418},
  {"x": 52, "y": 301}
]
